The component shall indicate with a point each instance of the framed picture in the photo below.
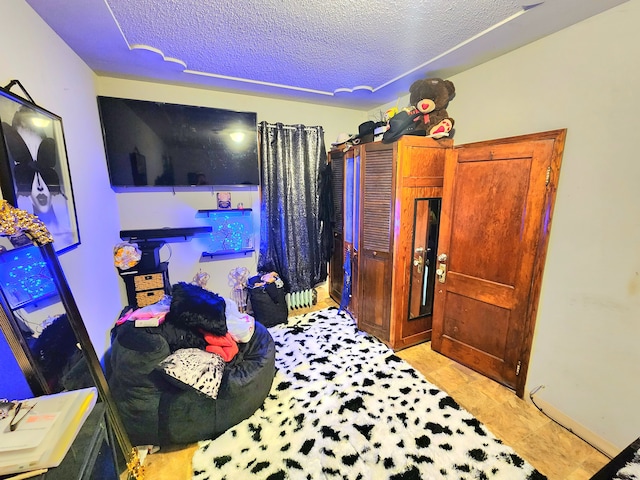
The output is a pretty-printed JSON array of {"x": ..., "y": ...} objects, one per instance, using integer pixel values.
[
  {"x": 224, "y": 200},
  {"x": 34, "y": 171}
]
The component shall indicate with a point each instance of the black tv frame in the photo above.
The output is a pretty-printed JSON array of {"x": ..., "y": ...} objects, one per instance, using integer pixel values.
[{"x": 159, "y": 145}]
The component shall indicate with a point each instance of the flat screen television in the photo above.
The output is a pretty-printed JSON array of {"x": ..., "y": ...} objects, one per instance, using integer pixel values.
[{"x": 164, "y": 144}]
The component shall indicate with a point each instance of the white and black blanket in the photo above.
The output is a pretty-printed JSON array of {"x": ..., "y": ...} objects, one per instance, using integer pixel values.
[{"x": 344, "y": 406}]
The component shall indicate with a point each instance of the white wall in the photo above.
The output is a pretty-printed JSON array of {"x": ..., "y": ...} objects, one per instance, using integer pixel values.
[
  {"x": 584, "y": 78},
  {"x": 60, "y": 82},
  {"x": 178, "y": 209}
]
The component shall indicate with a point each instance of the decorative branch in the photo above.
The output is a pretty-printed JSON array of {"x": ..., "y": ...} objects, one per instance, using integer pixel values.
[
  {"x": 135, "y": 468},
  {"x": 14, "y": 221}
]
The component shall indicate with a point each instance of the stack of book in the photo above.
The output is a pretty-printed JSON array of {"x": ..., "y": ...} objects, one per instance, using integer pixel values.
[{"x": 38, "y": 432}]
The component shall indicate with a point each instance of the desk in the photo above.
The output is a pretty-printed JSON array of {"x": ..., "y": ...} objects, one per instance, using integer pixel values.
[{"x": 92, "y": 455}]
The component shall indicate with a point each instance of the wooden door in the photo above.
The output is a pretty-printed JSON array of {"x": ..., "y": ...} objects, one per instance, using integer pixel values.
[
  {"x": 496, "y": 216},
  {"x": 376, "y": 240},
  {"x": 418, "y": 193}
]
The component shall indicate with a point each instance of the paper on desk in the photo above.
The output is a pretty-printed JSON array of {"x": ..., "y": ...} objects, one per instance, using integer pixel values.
[
  {"x": 55, "y": 423},
  {"x": 30, "y": 432}
]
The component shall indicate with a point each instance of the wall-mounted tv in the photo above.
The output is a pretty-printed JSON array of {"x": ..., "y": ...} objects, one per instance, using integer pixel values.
[{"x": 164, "y": 144}]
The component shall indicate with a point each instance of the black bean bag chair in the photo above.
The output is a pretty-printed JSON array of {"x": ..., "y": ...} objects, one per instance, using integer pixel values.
[{"x": 158, "y": 411}]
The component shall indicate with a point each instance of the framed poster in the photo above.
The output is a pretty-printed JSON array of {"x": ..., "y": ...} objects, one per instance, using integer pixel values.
[
  {"x": 224, "y": 200},
  {"x": 34, "y": 171}
]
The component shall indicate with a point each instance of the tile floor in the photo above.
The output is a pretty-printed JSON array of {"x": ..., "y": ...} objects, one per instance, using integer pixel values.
[{"x": 555, "y": 452}]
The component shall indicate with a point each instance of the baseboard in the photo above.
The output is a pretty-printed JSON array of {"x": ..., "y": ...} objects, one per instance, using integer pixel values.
[{"x": 580, "y": 430}]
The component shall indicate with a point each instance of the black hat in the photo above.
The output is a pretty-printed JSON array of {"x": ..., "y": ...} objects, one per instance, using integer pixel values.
[
  {"x": 365, "y": 133},
  {"x": 402, "y": 123}
]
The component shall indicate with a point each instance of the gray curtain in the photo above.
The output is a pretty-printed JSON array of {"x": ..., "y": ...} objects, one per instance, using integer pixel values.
[{"x": 292, "y": 160}]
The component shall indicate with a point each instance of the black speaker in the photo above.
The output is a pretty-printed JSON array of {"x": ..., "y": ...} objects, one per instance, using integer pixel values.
[{"x": 150, "y": 258}]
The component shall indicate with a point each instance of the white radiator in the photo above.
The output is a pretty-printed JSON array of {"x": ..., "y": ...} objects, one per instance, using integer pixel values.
[{"x": 302, "y": 299}]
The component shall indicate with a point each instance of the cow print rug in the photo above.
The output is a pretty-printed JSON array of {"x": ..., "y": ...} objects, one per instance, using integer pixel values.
[{"x": 344, "y": 406}]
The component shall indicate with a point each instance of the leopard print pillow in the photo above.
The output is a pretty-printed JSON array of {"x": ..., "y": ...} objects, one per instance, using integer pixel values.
[{"x": 196, "y": 368}]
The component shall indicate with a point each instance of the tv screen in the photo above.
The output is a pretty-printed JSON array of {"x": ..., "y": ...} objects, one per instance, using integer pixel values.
[{"x": 165, "y": 144}]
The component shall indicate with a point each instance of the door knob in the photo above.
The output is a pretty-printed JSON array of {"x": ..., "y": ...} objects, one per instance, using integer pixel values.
[
  {"x": 441, "y": 272},
  {"x": 417, "y": 262}
]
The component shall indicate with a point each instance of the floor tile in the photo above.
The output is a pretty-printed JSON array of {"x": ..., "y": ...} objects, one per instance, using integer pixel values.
[
  {"x": 553, "y": 450},
  {"x": 595, "y": 461},
  {"x": 424, "y": 359},
  {"x": 512, "y": 420},
  {"x": 474, "y": 401},
  {"x": 450, "y": 378}
]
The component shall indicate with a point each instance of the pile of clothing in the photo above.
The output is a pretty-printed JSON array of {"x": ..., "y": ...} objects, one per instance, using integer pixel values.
[
  {"x": 188, "y": 367},
  {"x": 193, "y": 317}
]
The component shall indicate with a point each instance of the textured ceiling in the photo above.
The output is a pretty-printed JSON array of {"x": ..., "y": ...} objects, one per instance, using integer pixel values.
[{"x": 344, "y": 52}]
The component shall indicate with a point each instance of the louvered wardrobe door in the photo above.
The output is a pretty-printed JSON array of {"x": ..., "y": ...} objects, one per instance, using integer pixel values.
[
  {"x": 337, "y": 184},
  {"x": 376, "y": 239},
  {"x": 336, "y": 269}
]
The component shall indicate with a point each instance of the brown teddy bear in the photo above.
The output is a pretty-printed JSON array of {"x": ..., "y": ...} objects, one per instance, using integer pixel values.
[{"x": 430, "y": 96}]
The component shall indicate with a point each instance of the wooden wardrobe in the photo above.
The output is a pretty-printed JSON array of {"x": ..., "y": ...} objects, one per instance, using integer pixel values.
[
  {"x": 388, "y": 203},
  {"x": 449, "y": 244}
]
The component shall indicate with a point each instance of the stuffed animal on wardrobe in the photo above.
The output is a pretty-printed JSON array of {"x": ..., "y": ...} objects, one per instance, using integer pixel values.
[{"x": 431, "y": 96}]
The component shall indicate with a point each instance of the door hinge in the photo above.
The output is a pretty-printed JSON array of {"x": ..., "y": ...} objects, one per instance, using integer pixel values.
[
  {"x": 518, "y": 366},
  {"x": 548, "y": 179}
]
